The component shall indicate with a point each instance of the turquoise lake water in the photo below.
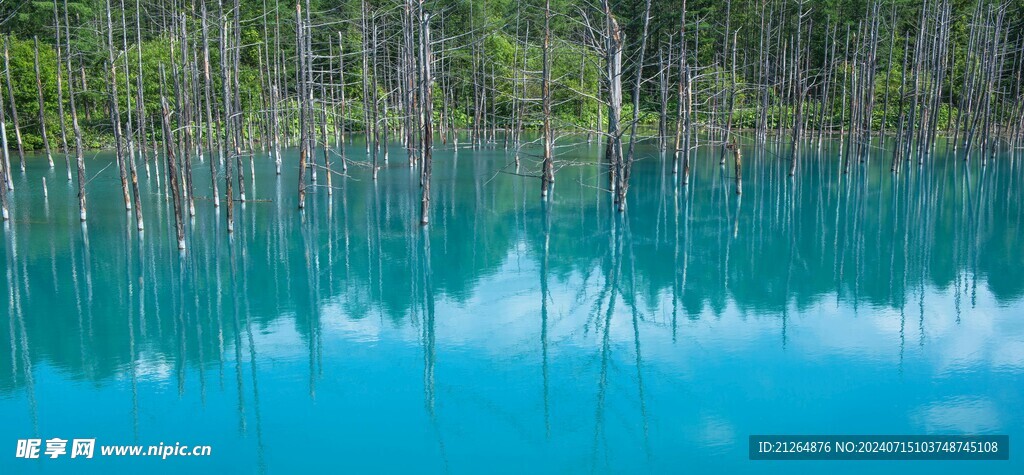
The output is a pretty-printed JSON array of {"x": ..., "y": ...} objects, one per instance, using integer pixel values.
[{"x": 511, "y": 335}]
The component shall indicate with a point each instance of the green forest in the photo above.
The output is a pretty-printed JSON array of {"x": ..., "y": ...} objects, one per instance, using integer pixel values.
[
  {"x": 236, "y": 76},
  {"x": 488, "y": 56}
]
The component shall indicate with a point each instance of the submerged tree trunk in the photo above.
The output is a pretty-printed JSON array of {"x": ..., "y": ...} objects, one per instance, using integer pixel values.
[
  {"x": 799, "y": 110},
  {"x": 627, "y": 166},
  {"x": 5, "y": 213},
  {"x": 5, "y": 163},
  {"x": 682, "y": 151},
  {"x": 172, "y": 174},
  {"x": 547, "y": 167},
  {"x": 115, "y": 114},
  {"x": 218, "y": 156},
  {"x": 7, "y": 184},
  {"x": 738, "y": 157},
  {"x": 14, "y": 105},
  {"x": 140, "y": 103},
  {"x": 427, "y": 98},
  {"x": 237, "y": 108},
  {"x": 226, "y": 107},
  {"x": 60, "y": 111},
  {"x": 42, "y": 103},
  {"x": 79, "y": 155},
  {"x": 613, "y": 42},
  {"x": 341, "y": 120},
  {"x": 303, "y": 126}
]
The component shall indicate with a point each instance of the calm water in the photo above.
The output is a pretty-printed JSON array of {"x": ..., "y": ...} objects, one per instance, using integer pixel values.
[{"x": 512, "y": 336}]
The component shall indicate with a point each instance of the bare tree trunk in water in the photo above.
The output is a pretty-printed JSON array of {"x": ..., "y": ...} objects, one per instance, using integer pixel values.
[
  {"x": 5, "y": 163},
  {"x": 627, "y": 166},
  {"x": 376, "y": 114},
  {"x": 79, "y": 157},
  {"x": 341, "y": 120},
  {"x": 132, "y": 171},
  {"x": 682, "y": 95},
  {"x": 5, "y": 214},
  {"x": 226, "y": 108},
  {"x": 172, "y": 174},
  {"x": 238, "y": 115},
  {"x": 139, "y": 102},
  {"x": 42, "y": 103},
  {"x": 663, "y": 69},
  {"x": 218, "y": 156},
  {"x": 323, "y": 136},
  {"x": 60, "y": 92},
  {"x": 8, "y": 183},
  {"x": 738, "y": 156},
  {"x": 115, "y": 114},
  {"x": 14, "y": 106},
  {"x": 548, "y": 170},
  {"x": 613, "y": 71},
  {"x": 798, "y": 113},
  {"x": 303, "y": 126},
  {"x": 427, "y": 96}
]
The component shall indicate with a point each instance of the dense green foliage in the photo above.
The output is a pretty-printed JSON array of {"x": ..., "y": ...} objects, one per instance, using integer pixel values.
[{"x": 493, "y": 48}]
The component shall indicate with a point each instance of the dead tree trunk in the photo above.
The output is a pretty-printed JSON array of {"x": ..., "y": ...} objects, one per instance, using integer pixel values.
[
  {"x": 79, "y": 156},
  {"x": 682, "y": 111},
  {"x": 341, "y": 119},
  {"x": 303, "y": 126},
  {"x": 738, "y": 157},
  {"x": 798, "y": 112},
  {"x": 613, "y": 38},
  {"x": 226, "y": 107},
  {"x": 115, "y": 114},
  {"x": 133, "y": 173},
  {"x": 218, "y": 156},
  {"x": 548, "y": 167},
  {"x": 60, "y": 92},
  {"x": 663, "y": 69},
  {"x": 5, "y": 213},
  {"x": 42, "y": 103},
  {"x": 427, "y": 97},
  {"x": 14, "y": 105},
  {"x": 238, "y": 111},
  {"x": 140, "y": 104},
  {"x": 172, "y": 174},
  {"x": 627, "y": 166},
  {"x": 5, "y": 162}
]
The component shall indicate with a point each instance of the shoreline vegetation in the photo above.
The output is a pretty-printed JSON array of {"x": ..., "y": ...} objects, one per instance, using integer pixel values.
[{"x": 168, "y": 85}]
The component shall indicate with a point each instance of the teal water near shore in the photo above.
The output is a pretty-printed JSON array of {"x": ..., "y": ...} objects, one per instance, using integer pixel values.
[{"x": 512, "y": 335}]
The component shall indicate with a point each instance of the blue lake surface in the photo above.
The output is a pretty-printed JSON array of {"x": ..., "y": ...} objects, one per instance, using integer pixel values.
[{"x": 511, "y": 335}]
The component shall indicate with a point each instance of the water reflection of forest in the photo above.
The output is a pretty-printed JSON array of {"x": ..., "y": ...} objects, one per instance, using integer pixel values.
[{"x": 90, "y": 300}]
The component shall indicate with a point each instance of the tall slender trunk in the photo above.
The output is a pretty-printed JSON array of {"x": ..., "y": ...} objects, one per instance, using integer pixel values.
[
  {"x": 341, "y": 120},
  {"x": 132, "y": 171},
  {"x": 14, "y": 105},
  {"x": 682, "y": 93},
  {"x": 172, "y": 174},
  {"x": 627, "y": 165},
  {"x": 548, "y": 168},
  {"x": 6, "y": 184},
  {"x": 139, "y": 95},
  {"x": 613, "y": 39},
  {"x": 79, "y": 156},
  {"x": 60, "y": 92},
  {"x": 215, "y": 157},
  {"x": 799, "y": 109},
  {"x": 427, "y": 96},
  {"x": 237, "y": 108},
  {"x": 303, "y": 126},
  {"x": 42, "y": 102},
  {"x": 226, "y": 107},
  {"x": 115, "y": 114}
]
